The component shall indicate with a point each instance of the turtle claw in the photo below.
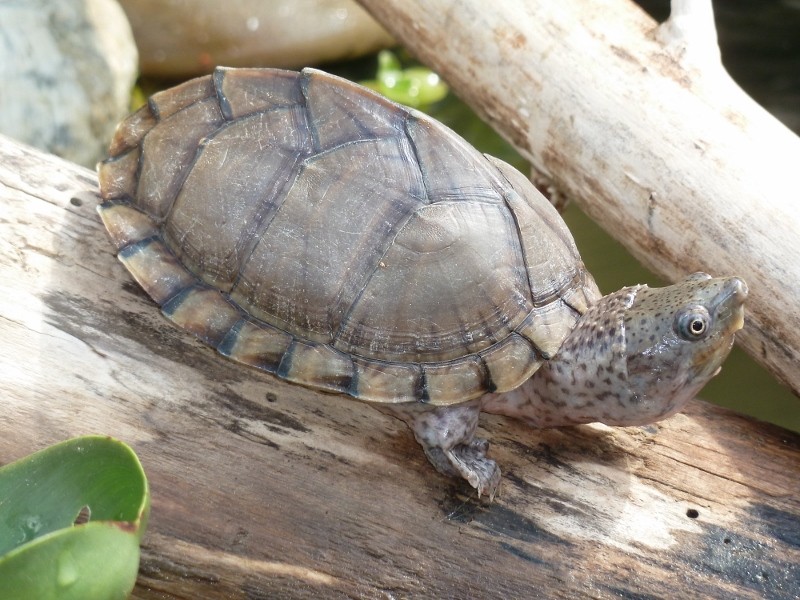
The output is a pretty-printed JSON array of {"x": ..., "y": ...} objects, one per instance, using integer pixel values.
[{"x": 470, "y": 462}]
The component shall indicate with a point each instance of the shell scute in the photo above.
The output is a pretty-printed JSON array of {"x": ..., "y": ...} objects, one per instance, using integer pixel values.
[
  {"x": 319, "y": 366},
  {"x": 169, "y": 102},
  {"x": 156, "y": 268},
  {"x": 547, "y": 325},
  {"x": 388, "y": 382},
  {"x": 256, "y": 344},
  {"x": 451, "y": 168},
  {"x": 131, "y": 131},
  {"x": 118, "y": 175},
  {"x": 511, "y": 362},
  {"x": 437, "y": 294},
  {"x": 243, "y": 92},
  {"x": 126, "y": 224},
  {"x": 204, "y": 311},
  {"x": 341, "y": 111},
  {"x": 451, "y": 382}
]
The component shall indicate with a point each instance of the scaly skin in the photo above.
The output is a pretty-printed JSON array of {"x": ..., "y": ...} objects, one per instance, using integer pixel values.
[{"x": 636, "y": 356}]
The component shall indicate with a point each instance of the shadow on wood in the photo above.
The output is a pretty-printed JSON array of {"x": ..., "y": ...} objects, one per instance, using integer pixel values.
[{"x": 266, "y": 490}]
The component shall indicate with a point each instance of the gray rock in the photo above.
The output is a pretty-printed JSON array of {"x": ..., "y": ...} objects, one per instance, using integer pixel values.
[
  {"x": 183, "y": 38},
  {"x": 67, "y": 69}
]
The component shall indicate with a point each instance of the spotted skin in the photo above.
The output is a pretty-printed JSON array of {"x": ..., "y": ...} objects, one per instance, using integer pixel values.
[{"x": 636, "y": 356}]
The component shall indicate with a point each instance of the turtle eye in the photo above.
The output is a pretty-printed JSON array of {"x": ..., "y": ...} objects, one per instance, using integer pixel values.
[{"x": 692, "y": 323}]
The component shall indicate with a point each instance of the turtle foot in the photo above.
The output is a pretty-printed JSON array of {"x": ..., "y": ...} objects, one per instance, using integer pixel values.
[
  {"x": 468, "y": 461},
  {"x": 446, "y": 433}
]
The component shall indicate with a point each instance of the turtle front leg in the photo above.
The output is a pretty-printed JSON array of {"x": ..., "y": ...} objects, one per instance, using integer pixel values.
[{"x": 447, "y": 434}]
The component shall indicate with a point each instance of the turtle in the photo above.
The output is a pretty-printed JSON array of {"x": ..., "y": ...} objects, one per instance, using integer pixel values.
[{"x": 304, "y": 225}]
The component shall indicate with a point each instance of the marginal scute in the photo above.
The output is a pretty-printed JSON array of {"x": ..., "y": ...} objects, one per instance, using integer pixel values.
[
  {"x": 547, "y": 326},
  {"x": 582, "y": 294},
  {"x": 117, "y": 175},
  {"x": 453, "y": 382},
  {"x": 167, "y": 103},
  {"x": 319, "y": 366},
  {"x": 130, "y": 132},
  {"x": 156, "y": 269},
  {"x": 126, "y": 224},
  {"x": 395, "y": 383},
  {"x": 511, "y": 362},
  {"x": 256, "y": 344},
  {"x": 203, "y": 311}
]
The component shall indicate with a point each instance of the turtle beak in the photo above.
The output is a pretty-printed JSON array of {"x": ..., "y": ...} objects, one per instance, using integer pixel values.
[{"x": 728, "y": 306}]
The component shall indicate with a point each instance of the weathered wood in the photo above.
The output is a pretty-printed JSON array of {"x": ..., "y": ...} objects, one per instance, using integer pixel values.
[
  {"x": 266, "y": 490},
  {"x": 643, "y": 128}
]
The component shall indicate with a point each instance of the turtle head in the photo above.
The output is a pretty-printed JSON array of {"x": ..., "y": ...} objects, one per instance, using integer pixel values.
[
  {"x": 676, "y": 339},
  {"x": 636, "y": 356}
]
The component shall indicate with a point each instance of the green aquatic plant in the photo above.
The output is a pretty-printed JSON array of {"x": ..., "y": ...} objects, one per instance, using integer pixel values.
[
  {"x": 71, "y": 520},
  {"x": 413, "y": 86}
]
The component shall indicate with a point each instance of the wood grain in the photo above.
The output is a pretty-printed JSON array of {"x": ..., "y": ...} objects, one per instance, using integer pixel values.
[
  {"x": 646, "y": 132},
  {"x": 266, "y": 490}
]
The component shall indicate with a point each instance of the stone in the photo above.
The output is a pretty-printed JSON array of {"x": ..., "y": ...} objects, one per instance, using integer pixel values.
[
  {"x": 67, "y": 68},
  {"x": 184, "y": 38}
]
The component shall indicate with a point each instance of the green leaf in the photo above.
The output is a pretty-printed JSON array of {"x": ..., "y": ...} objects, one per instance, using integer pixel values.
[
  {"x": 71, "y": 519},
  {"x": 414, "y": 86}
]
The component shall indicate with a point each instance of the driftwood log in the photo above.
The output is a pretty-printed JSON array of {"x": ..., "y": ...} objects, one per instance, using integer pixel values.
[
  {"x": 266, "y": 490},
  {"x": 641, "y": 126}
]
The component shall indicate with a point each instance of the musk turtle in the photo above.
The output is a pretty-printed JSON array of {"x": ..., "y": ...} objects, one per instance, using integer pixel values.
[{"x": 306, "y": 226}]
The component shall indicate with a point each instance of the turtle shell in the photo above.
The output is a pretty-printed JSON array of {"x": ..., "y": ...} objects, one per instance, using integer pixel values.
[{"x": 307, "y": 226}]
